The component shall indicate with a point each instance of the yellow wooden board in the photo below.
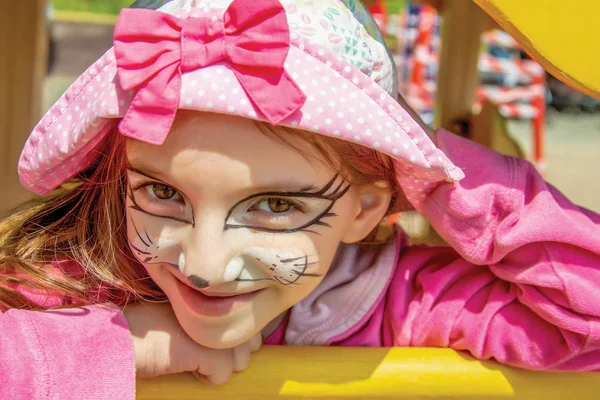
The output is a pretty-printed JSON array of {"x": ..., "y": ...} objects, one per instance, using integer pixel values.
[
  {"x": 294, "y": 372},
  {"x": 561, "y": 35}
]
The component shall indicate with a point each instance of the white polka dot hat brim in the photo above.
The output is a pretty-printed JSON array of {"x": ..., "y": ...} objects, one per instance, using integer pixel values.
[{"x": 341, "y": 101}]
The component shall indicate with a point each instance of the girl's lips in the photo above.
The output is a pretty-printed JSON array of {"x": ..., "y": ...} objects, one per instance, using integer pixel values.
[{"x": 213, "y": 306}]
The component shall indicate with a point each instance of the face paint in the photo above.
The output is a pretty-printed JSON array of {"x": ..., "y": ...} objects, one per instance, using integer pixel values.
[
  {"x": 286, "y": 268},
  {"x": 181, "y": 261},
  {"x": 198, "y": 282},
  {"x": 225, "y": 222},
  {"x": 282, "y": 266},
  {"x": 151, "y": 250},
  {"x": 234, "y": 269},
  {"x": 151, "y": 199},
  {"x": 252, "y": 264},
  {"x": 303, "y": 209}
]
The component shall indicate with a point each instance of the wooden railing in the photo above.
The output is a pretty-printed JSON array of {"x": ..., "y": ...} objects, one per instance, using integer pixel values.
[
  {"x": 288, "y": 372},
  {"x": 23, "y": 42}
]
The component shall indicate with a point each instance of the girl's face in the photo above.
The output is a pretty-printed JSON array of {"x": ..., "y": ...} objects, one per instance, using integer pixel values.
[{"x": 234, "y": 226}]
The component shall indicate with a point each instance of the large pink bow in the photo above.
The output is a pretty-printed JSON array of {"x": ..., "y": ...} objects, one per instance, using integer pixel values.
[{"x": 153, "y": 49}]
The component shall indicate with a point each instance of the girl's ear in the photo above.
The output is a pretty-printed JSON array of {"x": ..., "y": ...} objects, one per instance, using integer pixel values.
[{"x": 373, "y": 202}]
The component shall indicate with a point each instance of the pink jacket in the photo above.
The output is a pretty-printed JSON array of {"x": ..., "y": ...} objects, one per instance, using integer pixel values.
[{"x": 520, "y": 285}]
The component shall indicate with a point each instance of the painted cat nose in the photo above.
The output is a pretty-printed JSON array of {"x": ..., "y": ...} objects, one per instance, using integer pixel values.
[{"x": 198, "y": 282}]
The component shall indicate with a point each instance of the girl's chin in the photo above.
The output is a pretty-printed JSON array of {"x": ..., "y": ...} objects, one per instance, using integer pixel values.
[
  {"x": 226, "y": 341},
  {"x": 222, "y": 334},
  {"x": 218, "y": 345}
]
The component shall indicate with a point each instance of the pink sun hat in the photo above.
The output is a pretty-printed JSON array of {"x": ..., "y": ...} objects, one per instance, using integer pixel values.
[{"x": 309, "y": 65}]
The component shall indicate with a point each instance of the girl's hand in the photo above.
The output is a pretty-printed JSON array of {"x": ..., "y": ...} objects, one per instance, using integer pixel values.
[{"x": 161, "y": 347}]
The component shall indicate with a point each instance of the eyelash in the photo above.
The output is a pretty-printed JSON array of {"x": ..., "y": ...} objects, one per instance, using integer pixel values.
[
  {"x": 295, "y": 206},
  {"x": 154, "y": 198}
]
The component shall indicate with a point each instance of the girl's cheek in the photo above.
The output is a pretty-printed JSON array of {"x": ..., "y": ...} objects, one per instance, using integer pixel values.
[
  {"x": 284, "y": 266},
  {"x": 296, "y": 259},
  {"x": 151, "y": 245}
]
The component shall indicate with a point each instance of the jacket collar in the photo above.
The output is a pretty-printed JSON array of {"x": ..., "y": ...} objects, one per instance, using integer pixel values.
[{"x": 349, "y": 293}]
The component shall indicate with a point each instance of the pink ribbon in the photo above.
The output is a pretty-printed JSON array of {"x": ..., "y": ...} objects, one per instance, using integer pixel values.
[{"x": 153, "y": 49}]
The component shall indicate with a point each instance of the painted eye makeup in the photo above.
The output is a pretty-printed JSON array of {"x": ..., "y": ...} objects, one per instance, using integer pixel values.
[
  {"x": 157, "y": 198},
  {"x": 277, "y": 212},
  {"x": 287, "y": 212}
]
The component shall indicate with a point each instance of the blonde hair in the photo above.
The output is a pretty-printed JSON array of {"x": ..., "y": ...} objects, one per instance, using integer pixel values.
[{"x": 65, "y": 226}]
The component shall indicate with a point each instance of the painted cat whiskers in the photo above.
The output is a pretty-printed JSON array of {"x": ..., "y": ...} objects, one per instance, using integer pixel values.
[
  {"x": 252, "y": 264},
  {"x": 148, "y": 250},
  {"x": 285, "y": 267}
]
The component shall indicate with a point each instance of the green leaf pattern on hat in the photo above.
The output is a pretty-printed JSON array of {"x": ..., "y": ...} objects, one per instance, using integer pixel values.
[
  {"x": 329, "y": 24},
  {"x": 151, "y": 4},
  {"x": 367, "y": 21}
]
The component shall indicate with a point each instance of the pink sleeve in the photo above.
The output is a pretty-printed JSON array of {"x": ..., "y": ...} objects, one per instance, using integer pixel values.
[
  {"x": 72, "y": 353},
  {"x": 521, "y": 283}
]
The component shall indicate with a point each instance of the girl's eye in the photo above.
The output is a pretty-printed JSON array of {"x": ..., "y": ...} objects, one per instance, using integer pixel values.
[
  {"x": 277, "y": 213},
  {"x": 275, "y": 205},
  {"x": 162, "y": 192},
  {"x": 158, "y": 199}
]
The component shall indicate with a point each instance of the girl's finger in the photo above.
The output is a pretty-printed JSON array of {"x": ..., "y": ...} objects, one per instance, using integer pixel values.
[
  {"x": 256, "y": 342},
  {"x": 241, "y": 357},
  {"x": 217, "y": 366},
  {"x": 200, "y": 377}
]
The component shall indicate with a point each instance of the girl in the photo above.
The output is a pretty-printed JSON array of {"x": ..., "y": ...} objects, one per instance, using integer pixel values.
[{"x": 233, "y": 159}]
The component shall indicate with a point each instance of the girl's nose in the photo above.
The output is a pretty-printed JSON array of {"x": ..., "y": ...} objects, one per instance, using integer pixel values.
[
  {"x": 206, "y": 253},
  {"x": 198, "y": 281}
]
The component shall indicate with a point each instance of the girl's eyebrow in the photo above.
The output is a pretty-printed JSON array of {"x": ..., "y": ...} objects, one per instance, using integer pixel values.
[
  {"x": 335, "y": 191},
  {"x": 286, "y": 187},
  {"x": 289, "y": 187},
  {"x": 283, "y": 187},
  {"x": 140, "y": 172}
]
